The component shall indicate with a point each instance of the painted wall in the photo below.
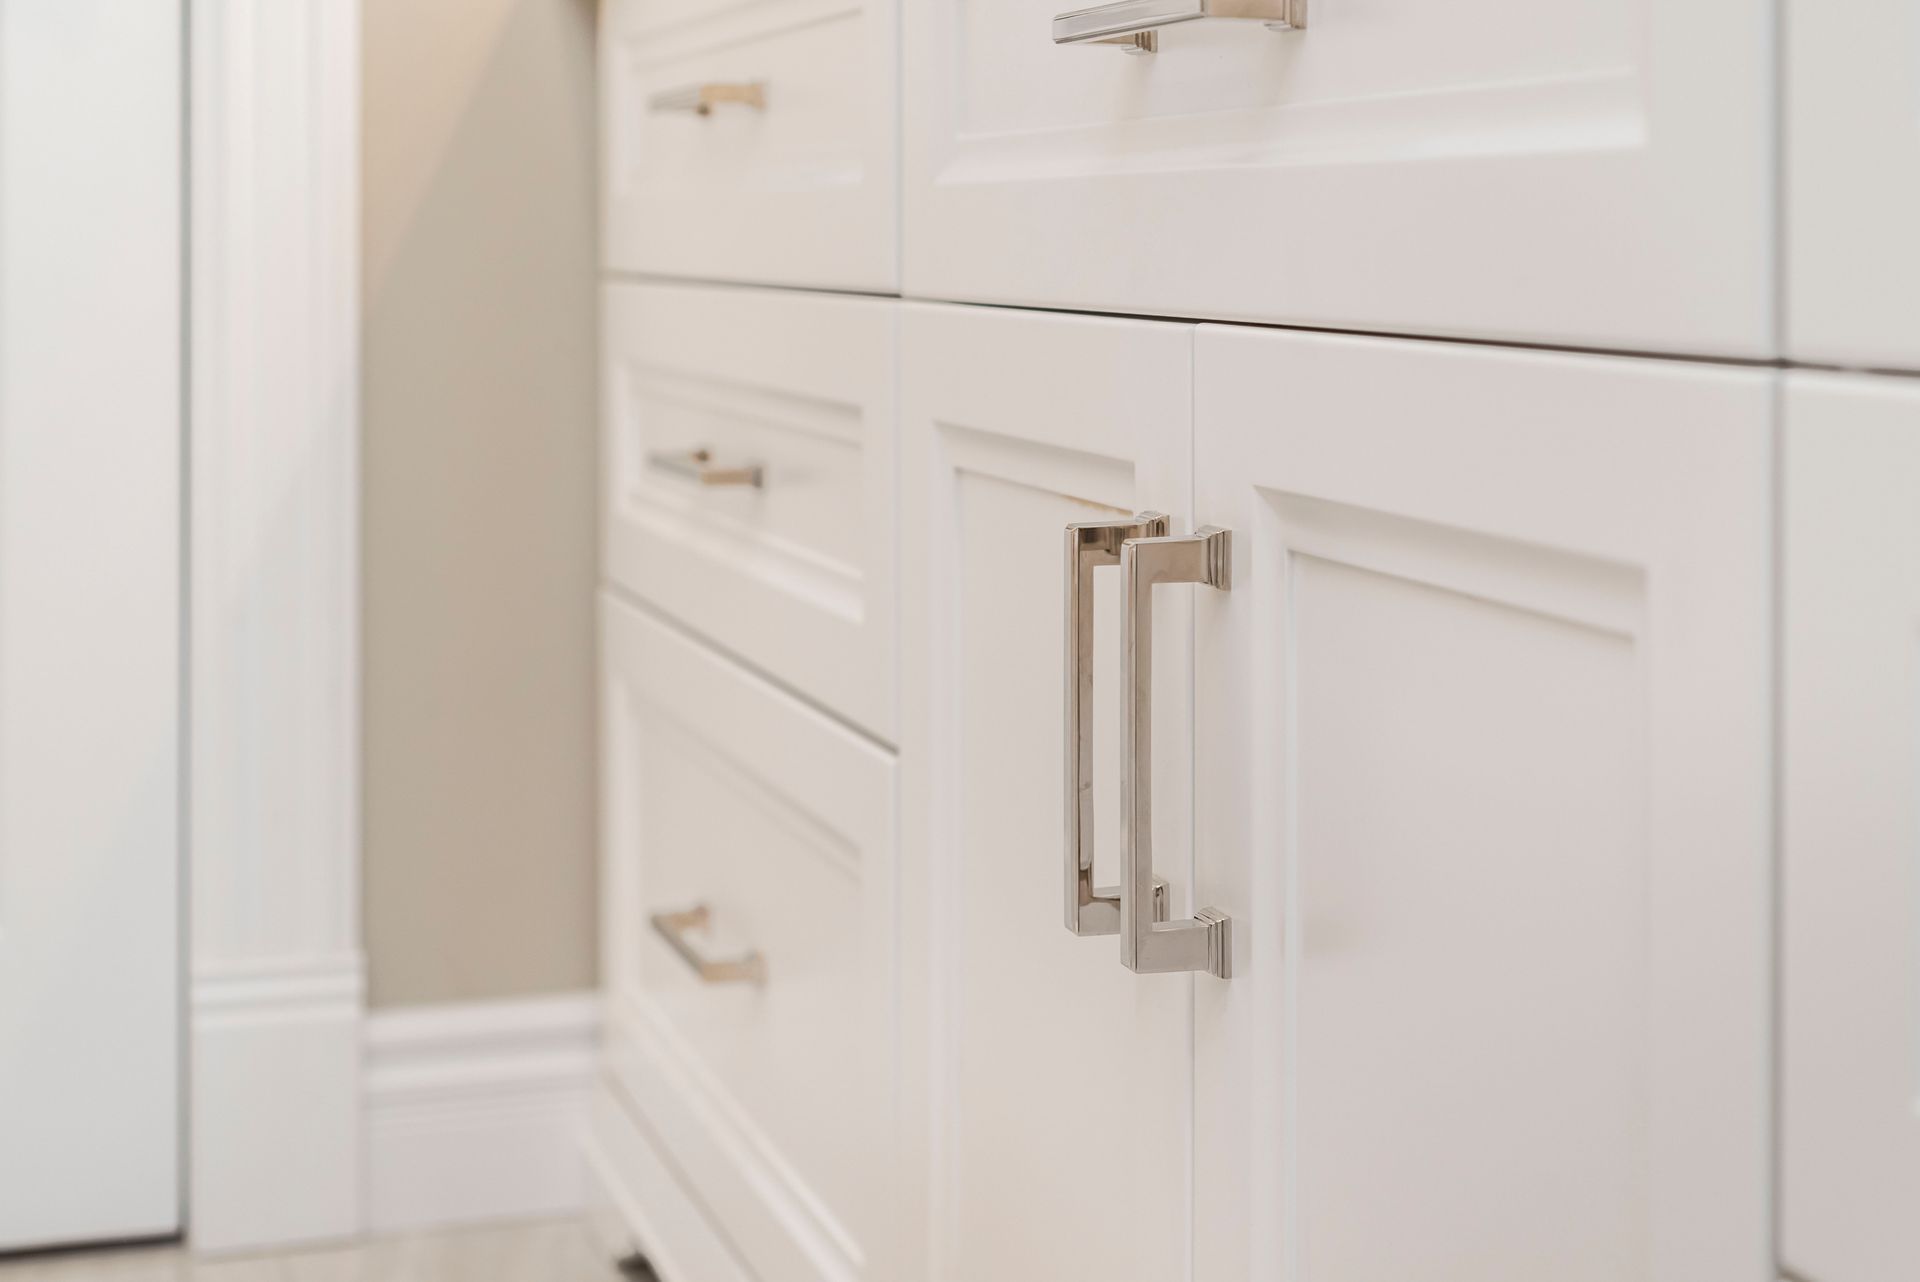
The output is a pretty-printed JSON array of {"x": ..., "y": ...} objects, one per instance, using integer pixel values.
[{"x": 479, "y": 523}]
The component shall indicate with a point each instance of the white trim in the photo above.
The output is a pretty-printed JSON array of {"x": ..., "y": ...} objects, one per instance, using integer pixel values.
[
  {"x": 273, "y": 618},
  {"x": 477, "y": 1111}
]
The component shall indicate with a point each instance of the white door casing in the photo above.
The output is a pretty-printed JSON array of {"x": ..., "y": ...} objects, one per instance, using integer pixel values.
[
  {"x": 90, "y": 472},
  {"x": 1482, "y": 777}
]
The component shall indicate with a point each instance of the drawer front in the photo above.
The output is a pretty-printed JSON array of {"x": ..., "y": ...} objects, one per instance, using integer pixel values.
[
  {"x": 791, "y": 183},
  {"x": 1533, "y": 170},
  {"x": 771, "y": 1091},
  {"x": 794, "y": 574}
]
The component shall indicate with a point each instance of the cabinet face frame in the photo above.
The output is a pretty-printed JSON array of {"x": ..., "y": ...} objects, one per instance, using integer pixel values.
[
  {"x": 1592, "y": 177},
  {"x": 1852, "y": 145},
  {"x": 1579, "y": 502},
  {"x": 1025, "y": 421},
  {"x": 1850, "y": 810}
]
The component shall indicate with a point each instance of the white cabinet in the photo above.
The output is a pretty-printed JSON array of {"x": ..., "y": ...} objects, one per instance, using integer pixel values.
[
  {"x": 1539, "y": 170},
  {"x": 749, "y": 955},
  {"x": 1481, "y": 775},
  {"x": 1852, "y": 122},
  {"x": 1049, "y": 1090},
  {"x": 1850, "y": 809},
  {"x": 748, "y": 475},
  {"x": 751, "y": 142}
]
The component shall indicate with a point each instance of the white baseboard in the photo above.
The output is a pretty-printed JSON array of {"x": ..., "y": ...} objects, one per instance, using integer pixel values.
[
  {"x": 478, "y": 1111},
  {"x": 275, "y": 1108}
]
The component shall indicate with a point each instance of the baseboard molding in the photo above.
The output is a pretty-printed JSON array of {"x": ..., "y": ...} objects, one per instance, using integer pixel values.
[
  {"x": 275, "y": 1103},
  {"x": 478, "y": 1111}
]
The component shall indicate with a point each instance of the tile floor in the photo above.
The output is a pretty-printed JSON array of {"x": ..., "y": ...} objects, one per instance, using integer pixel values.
[{"x": 543, "y": 1251}]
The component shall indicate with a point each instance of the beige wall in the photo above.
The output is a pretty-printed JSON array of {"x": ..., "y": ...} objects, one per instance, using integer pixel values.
[{"x": 479, "y": 518}]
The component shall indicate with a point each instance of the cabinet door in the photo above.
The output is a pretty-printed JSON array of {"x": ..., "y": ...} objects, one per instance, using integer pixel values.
[
  {"x": 1850, "y": 1079},
  {"x": 1482, "y": 776},
  {"x": 1853, "y": 189},
  {"x": 1049, "y": 1087},
  {"x": 1546, "y": 170}
]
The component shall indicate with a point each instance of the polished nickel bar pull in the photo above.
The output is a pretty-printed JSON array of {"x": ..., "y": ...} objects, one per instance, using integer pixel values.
[
  {"x": 698, "y": 465},
  {"x": 748, "y": 968},
  {"x": 1134, "y": 25},
  {"x": 702, "y": 99},
  {"x": 1148, "y": 944},
  {"x": 1091, "y": 910}
]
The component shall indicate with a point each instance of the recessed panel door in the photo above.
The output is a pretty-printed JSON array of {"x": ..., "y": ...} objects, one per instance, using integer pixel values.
[
  {"x": 1482, "y": 777},
  {"x": 1049, "y": 1089}
]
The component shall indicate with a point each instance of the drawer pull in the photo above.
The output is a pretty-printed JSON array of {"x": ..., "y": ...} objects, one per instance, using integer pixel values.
[
  {"x": 1149, "y": 944},
  {"x": 1091, "y": 910},
  {"x": 748, "y": 968},
  {"x": 1134, "y": 24},
  {"x": 698, "y": 465},
  {"x": 702, "y": 99}
]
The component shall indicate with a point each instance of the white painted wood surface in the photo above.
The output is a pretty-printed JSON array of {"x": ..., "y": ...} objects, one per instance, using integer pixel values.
[
  {"x": 796, "y": 576},
  {"x": 1048, "y": 1097},
  {"x": 1496, "y": 169},
  {"x": 774, "y": 1100},
  {"x": 1482, "y": 774},
  {"x": 90, "y": 483},
  {"x": 1850, "y": 808},
  {"x": 802, "y": 191},
  {"x": 276, "y": 971},
  {"x": 1852, "y": 147},
  {"x": 476, "y": 1111}
]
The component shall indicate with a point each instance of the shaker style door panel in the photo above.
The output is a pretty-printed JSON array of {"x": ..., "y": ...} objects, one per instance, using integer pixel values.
[
  {"x": 749, "y": 479},
  {"x": 1850, "y": 880},
  {"x": 1853, "y": 181},
  {"x": 1536, "y": 170},
  {"x": 751, "y": 142},
  {"x": 1048, "y": 1092},
  {"x": 1482, "y": 778},
  {"x": 748, "y": 892}
]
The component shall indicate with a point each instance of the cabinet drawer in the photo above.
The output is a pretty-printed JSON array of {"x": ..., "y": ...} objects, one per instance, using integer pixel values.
[
  {"x": 771, "y": 1092},
  {"x": 1532, "y": 170},
  {"x": 794, "y": 574},
  {"x": 787, "y": 175}
]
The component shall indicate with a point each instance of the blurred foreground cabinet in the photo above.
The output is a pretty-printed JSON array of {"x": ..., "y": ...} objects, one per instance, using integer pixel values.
[{"x": 1850, "y": 1076}]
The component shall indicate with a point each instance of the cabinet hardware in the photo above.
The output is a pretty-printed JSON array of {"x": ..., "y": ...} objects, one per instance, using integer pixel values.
[
  {"x": 702, "y": 99},
  {"x": 698, "y": 465},
  {"x": 1134, "y": 25},
  {"x": 1091, "y": 910},
  {"x": 748, "y": 968},
  {"x": 1147, "y": 943}
]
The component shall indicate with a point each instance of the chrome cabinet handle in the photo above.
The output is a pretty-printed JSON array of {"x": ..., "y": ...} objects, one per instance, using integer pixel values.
[
  {"x": 1134, "y": 24},
  {"x": 702, "y": 99},
  {"x": 1091, "y": 910},
  {"x": 698, "y": 465},
  {"x": 748, "y": 968},
  {"x": 1205, "y": 940}
]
